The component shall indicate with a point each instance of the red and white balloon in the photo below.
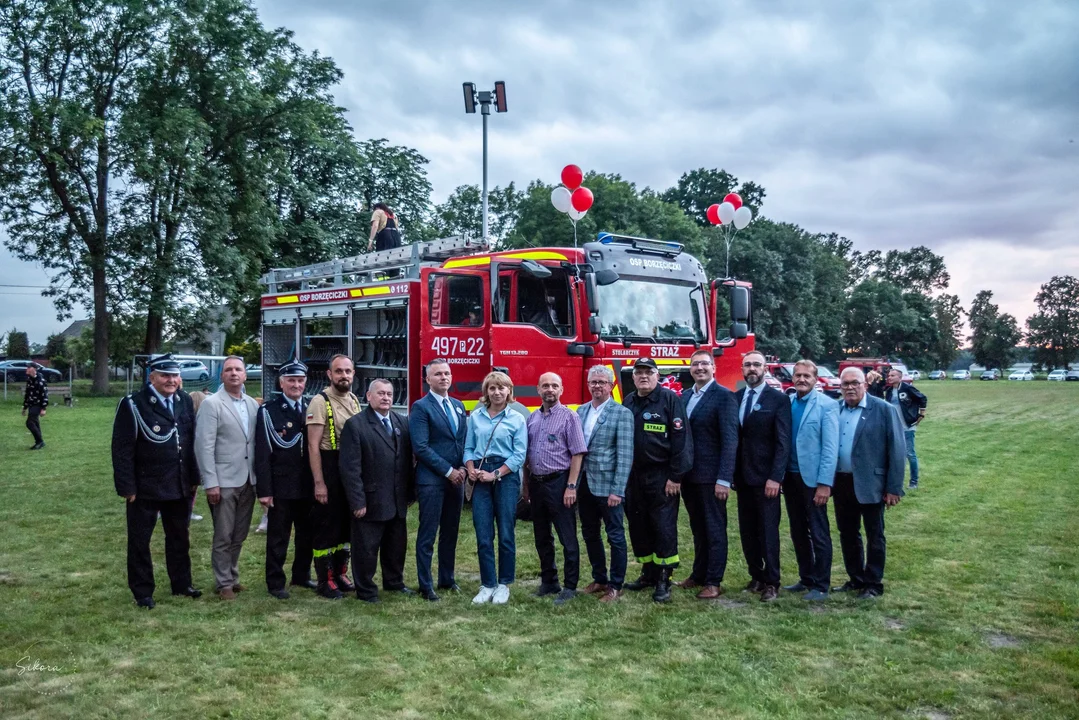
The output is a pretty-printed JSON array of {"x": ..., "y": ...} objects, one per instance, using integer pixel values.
[
  {"x": 571, "y": 197},
  {"x": 730, "y": 212}
]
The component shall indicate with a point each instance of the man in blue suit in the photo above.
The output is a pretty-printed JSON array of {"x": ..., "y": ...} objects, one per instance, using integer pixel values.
[
  {"x": 868, "y": 478},
  {"x": 713, "y": 421},
  {"x": 437, "y": 426},
  {"x": 808, "y": 485}
]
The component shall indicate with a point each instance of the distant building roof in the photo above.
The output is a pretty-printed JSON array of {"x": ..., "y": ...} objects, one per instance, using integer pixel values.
[{"x": 74, "y": 330}]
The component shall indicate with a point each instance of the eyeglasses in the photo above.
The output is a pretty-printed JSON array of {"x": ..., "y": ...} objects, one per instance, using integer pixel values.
[
  {"x": 752, "y": 365},
  {"x": 598, "y": 382},
  {"x": 851, "y": 385},
  {"x": 701, "y": 363}
]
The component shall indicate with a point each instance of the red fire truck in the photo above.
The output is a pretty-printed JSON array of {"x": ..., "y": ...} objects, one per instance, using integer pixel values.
[{"x": 522, "y": 311}]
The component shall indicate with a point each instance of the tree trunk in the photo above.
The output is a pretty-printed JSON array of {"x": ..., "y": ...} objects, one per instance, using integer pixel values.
[
  {"x": 101, "y": 331},
  {"x": 154, "y": 329}
]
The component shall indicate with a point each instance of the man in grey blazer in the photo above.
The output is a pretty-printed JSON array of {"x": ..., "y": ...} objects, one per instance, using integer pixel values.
[
  {"x": 608, "y": 432},
  {"x": 225, "y": 451},
  {"x": 868, "y": 478},
  {"x": 808, "y": 483}
]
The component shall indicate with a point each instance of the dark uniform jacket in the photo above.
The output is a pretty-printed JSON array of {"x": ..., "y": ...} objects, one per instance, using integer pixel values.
[
  {"x": 661, "y": 436},
  {"x": 714, "y": 427},
  {"x": 282, "y": 469},
  {"x": 911, "y": 401},
  {"x": 376, "y": 468},
  {"x": 37, "y": 393},
  {"x": 153, "y": 453},
  {"x": 765, "y": 443}
]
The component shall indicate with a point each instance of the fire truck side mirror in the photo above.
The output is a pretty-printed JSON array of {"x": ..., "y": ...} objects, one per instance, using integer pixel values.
[
  {"x": 594, "y": 324},
  {"x": 739, "y": 331},
  {"x": 606, "y": 277},
  {"x": 534, "y": 269},
  {"x": 591, "y": 293},
  {"x": 739, "y": 307}
]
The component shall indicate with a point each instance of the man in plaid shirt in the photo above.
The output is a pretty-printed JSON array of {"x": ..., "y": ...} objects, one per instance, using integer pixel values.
[{"x": 556, "y": 447}]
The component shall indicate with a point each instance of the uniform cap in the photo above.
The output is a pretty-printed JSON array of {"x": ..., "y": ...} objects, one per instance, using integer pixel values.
[
  {"x": 294, "y": 368},
  {"x": 645, "y": 362},
  {"x": 164, "y": 364}
]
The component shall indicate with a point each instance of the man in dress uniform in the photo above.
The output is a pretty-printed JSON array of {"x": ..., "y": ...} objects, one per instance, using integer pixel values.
[
  {"x": 663, "y": 454},
  {"x": 35, "y": 403},
  {"x": 284, "y": 484},
  {"x": 377, "y": 473},
  {"x": 330, "y": 517},
  {"x": 153, "y": 467}
]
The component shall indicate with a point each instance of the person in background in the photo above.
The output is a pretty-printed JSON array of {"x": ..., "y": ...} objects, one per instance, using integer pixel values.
[
  {"x": 385, "y": 234},
  {"x": 35, "y": 403},
  {"x": 496, "y": 446},
  {"x": 911, "y": 406}
]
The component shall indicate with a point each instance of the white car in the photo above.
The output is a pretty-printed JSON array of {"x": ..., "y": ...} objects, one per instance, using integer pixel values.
[
  {"x": 915, "y": 374},
  {"x": 1021, "y": 375},
  {"x": 961, "y": 375},
  {"x": 1060, "y": 375}
]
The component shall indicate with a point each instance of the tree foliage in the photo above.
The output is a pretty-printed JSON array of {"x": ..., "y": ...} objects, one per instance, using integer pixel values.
[
  {"x": 18, "y": 345},
  {"x": 1053, "y": 331},
  {"x": 993, "y": 335}
]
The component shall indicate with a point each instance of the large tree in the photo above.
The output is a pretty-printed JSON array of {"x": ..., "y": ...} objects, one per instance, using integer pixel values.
[
  {"x": 67, "y": 72},
  {"x": 949, "y": 316},
  {"x": 993, "y": 335},
  {"x": 1053, "y": 331},
  {"x": 462, "y": 213},
  {"x": 698, "y": 189}
]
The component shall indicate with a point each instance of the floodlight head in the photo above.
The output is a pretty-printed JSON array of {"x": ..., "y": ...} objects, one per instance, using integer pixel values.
[
  {"x": 470, "y": 97},
  {"x": 500, "y": 96}
]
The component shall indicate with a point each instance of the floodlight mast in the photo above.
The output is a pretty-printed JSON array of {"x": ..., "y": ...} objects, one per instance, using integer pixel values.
[{"x": 485, "y": 99}]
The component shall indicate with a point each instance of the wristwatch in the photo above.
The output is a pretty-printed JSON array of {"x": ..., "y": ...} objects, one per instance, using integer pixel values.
[{"x": 570, "y": 486}]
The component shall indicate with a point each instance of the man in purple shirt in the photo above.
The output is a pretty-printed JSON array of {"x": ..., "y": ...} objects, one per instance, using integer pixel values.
[{"x": 556, "y": 448}]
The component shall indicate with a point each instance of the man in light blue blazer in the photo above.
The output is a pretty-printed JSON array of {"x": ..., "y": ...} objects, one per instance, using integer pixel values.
[
  {"x": 808, "y": 483},
  {"x": 438, "y": 428},
  {"x": 868, "y": 478}
]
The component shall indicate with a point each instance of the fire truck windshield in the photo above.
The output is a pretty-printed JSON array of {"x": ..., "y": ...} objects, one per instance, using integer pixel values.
[{"x": 650, "y": 310}]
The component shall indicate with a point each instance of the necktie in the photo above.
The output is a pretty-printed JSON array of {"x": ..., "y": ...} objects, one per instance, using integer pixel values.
[
  {"x": 168, "y": 405},
  {"x": 749, "y": 405},
  {"x": 386, "y": 424},
  {"x": 449, "y": 414}
]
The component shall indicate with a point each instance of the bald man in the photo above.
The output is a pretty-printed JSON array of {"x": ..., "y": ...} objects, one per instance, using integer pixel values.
[{"x": 556, "y": 448}]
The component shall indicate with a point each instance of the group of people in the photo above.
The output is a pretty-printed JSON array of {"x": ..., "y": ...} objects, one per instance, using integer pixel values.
[{"x": 338, "y": 478}]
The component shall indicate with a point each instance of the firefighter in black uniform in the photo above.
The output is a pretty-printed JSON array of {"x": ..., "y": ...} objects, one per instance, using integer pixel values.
[
  {"x": 662, "y": 455},
  {"x": 284, "y": 483},
  {"x": 35, "y": 403},
  {"x": 153, "y": 466}
]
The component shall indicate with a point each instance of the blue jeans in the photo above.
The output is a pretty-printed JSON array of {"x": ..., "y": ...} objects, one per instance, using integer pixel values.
[
  {"x": 912, "y": 457},
  {"x": 496, "y": 504}
]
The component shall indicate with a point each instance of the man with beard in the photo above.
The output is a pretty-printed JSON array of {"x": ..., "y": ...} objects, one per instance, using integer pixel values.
[
  {"x": 330, "y": 518},
  {"x": 284, "y": 479},
  {"x": 555, "y": 448},
  {"x": 663, "y": 454},
  {"x": 763, "y": 449},
  {"x": 713, "y": 421}
]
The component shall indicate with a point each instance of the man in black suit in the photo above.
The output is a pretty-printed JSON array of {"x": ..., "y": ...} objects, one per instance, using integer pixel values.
[
  {"x": 284, "y": 483},
  {"x": 153, "y": 467},
  {"x": 713, "y": 422},
  {"x": 376, "y": 471},
  {"x": 437, "y": 426},
  {"x": 763, "y": 449}
]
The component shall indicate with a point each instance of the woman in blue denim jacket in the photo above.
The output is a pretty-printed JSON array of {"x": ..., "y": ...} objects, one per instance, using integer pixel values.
[{"x": 495, "y": 450}]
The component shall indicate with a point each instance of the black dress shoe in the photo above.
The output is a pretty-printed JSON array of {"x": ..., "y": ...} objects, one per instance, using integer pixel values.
[
  {"x": 146, "y": 602},
  {"x": 37, "y": 446},
  {"x": 429, "y": 595},
  {"x": 280, "y": 594},
  {"x": 405, "y": 591},
  {"x": 868, "y": 594},
  {"x": 374, "y": 599},
  {"x": 188, "y": 592},
  {"x": 546, "y": 589},
  {"x": 309, "y": 584},
  {"x": 754, "y": 586},
  {"x": 846, "y": 587},
  {"x": 450, "y": 588},
  {"x": 796, "y": 587}
]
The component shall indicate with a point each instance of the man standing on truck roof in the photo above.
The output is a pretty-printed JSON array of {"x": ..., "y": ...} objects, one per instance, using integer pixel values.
[{"x": 330, "y": 515}]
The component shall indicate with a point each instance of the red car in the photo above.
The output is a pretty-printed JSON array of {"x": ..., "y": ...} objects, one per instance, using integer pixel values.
[{"x": 783, "y": 374}]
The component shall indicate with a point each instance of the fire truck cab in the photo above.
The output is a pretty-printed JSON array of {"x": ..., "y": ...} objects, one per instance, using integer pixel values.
[{"x": 522, "y": 311}]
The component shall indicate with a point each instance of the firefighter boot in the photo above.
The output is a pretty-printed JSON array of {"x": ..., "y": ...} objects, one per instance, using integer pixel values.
[
  {"x": 648, "y": 578},
  {"x": 662, "y": 593},
  {"x": 340, "y": 570},
  {"x": 327, "y": 588}
]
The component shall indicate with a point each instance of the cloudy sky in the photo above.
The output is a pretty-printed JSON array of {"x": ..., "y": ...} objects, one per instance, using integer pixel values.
[{"x": 949, "y": 124}]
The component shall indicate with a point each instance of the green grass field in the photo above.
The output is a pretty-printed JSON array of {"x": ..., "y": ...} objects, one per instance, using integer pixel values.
[{"x": 979, "y": 619}]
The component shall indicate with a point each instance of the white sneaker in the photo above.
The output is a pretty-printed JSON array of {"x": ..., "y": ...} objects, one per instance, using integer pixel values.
[
  {"x": 195, "y": 517},
  {"x": 263, "y": 524},
  {"x": 502, "y": 595},
  {"x": 485, "y": 595}
]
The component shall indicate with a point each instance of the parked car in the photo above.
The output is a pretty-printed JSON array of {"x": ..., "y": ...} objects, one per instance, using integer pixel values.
[
  {"x": 961, "y": 375},
  {"x": 1058, "y": 375},
  {"x": 992, "y": 374},
  {"x": 15, "y": 371},
  {"x": 938, "y": 375},
  {"x": 1021, "y": 375},
  {"x": 194, "y": 370},
  {"x": 915, "y": 375},
  {"x": 771, "y": 381},
  {"x": 1072, "y": 375},
  {"x": 830, "y": 380},
  {"x": 254, "y": 372},
  {"x": 784, "y": 373},
  {"x": 874, "y": 363}
]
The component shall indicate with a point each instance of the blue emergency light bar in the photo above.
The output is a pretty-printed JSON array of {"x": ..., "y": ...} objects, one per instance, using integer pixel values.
[{"x": 663, "y": 246}]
